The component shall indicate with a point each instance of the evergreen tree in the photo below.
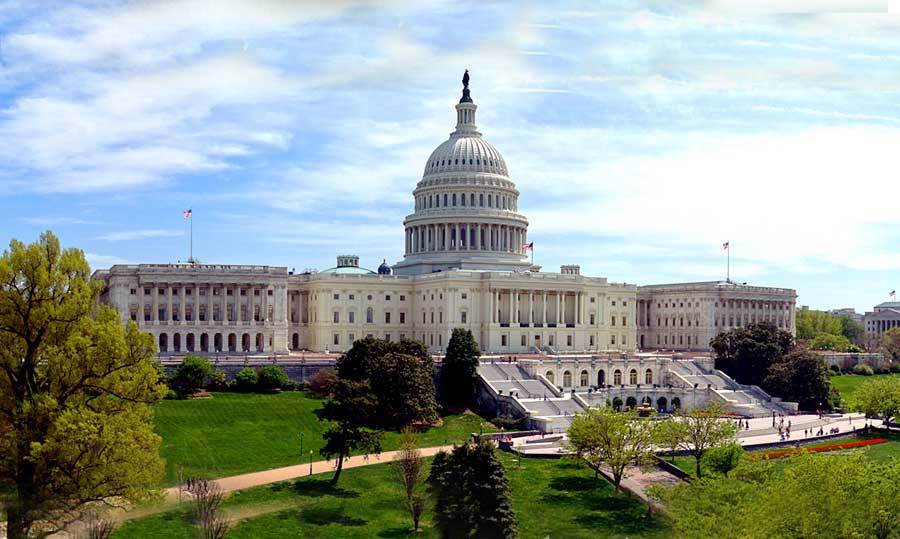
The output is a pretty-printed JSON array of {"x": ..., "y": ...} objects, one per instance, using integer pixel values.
[
  {"x": 471, "y": 494},
  {"x": 460, "y": 368}
]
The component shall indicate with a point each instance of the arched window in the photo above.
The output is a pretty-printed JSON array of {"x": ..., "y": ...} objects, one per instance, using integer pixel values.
[
  {"x": 549, "y": 376},
  {"x": 163, "y": 342},
  {"x": 632, "y": 377},
  {"x": 369, "y": 315},
  {"x": 584, "y": 379},
  {"x": 676, "y": 403},
  {"x": 630, "y": 402},
  {"x": 617, "y": 377},
  {"x": 648, "y": 376},
  {"x": 661, "y": 404},
  {"x": 601, "y": 378},
  {"x": 567, "y": 379}
]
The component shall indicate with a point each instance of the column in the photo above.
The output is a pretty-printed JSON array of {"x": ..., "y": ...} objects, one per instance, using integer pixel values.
[
  {"x": 154, "y": 316},
  {"x": 265, "y": 304},
  {"x": 497, "y": 308},
  {"x": 544, "y": 308},
  {"x": 223, "y": 311},
  {"x": 446, "y": 234},
  {"x": 510, "y": 308},
  {"x": 515, "y": 296},
  {"x": 491, "y": 238},
  {"x": 209, "y": 306},
  {"x": 531, "y": 308},
  {"x": 458, "y": 243},
  {"x": 560, "y": 318},
  {"x": 169, "y": 303},
  {"x": 196, "y": 310}
]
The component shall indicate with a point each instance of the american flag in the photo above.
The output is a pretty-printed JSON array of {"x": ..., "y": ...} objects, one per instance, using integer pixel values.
[
  {"x": 186, "y": 213},
  {"x": 528, "y": 247},
  {"x": 893, "y": 293},
  {"x": 726, "y": 245}
]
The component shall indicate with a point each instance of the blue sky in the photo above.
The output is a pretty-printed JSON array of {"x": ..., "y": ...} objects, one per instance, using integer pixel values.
[{"x": 641, "y": 134}]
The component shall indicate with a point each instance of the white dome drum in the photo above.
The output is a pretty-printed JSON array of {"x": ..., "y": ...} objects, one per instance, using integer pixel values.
[{"x": 465, "y": 207}]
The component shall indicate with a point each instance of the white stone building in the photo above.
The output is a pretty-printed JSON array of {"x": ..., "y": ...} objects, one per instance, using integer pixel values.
[
  {"x": 465, "y": 265},
  {"x": 882, "y": 318},
  {"x": 687, "y": 316}
]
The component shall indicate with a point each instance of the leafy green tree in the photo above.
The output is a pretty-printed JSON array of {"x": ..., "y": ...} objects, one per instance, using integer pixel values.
[
  {"x": 746, "y": 353},
  {"x": 400, "y": 376},
  {"x": 472, "y": 494},
  {"x": 878, "y": 397},
  {"x": 192, "y": 374},
  {"x": 812, "y": 323},
  {"x": 351, "y": 409},
  {"x": 854, "y": 331},
  {"x": 459, "y": 369},
  {"x": 704, "y": 428},
  {"x": 76, "y": 427},
  {"x": 272, "y": 378},
  {"x": 827, "y": 341},
  {"x": 724, "y": 458},
  {"x": 604, "y": 438},
  {"x": 890, "y": 344},
  {"x": 246, "y": 379},
  {"x": 802, "y": 377}
]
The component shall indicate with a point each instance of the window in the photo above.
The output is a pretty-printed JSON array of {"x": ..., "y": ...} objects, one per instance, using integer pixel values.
[
  {"x": 614, "y": 303},
  {"x": 648, "y": 377},
  {"x": 387, "y": 297},
  {"x": 462, "y": 199},
  {"x": 432, "y": 317},
  {"x": 584, "y": 379},
  {"x": 472, "y": 199},
  {"x": 623, "y": 321},
  {"x": 369, "y": 315},
  {"x": 268, "y": 292},
  {"x": 402, "y": 318},
  {"x": 591, "y": 340},
  {"x": 351, "y": 317},
  {"x": 161, "y": 291},
  {"x": 337, "y": 297},
  {"x": 146, "y": 291},
  {"x": 568, "y": 340},
  {"x": 336, "y": 316},
  {"x": 369, "y": 297},
  {"x": 613, "y": 320},
  {"x": 617, "y": 377},
  {"x": 567, "y": 379},
  {"x": 387, "y": 337},
  {"x": 593, "y": 299},
  {"x": 454, "y": 199},
  {"x": 624, "y": 303},
  {"x": 612, "y": 339},
  {"x": 387, "y": 318},
  {"x": 255, "y": 292},
  {"x": 134, "y": 291},
  {"x": 350, "y": 338},
  {"x": 445, "y": 199},
  {"x": 402, "y": 297},
  {"x": 524, "y": 339},
  {"x": 481, "y": 200},
  {"x": 337, "y": 339},
  {"x": 465, "y": 295},
  {"x": 592, "y": 319},
  {"x": 462, "y": 317},
  {"x": 502, "y": 340},
  {"x": 440, "y": 317},
  {"x": 403, "y": 336},
  {"x": 632, "y": 377},
  {"x": 243, "y": 291}
]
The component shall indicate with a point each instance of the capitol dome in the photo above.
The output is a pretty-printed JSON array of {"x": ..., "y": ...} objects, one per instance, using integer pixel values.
[{"x": 466, "y": 206}]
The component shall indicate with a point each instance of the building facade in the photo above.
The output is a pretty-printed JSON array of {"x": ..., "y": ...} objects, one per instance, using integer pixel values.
[
  {"x": 465, "y": 265},
  {"x": 884, "y": 317},
  {"x": 687, "y": 316}
]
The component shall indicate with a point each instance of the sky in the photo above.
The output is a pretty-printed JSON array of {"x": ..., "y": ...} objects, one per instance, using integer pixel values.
[{"x": 642, "y": 135}]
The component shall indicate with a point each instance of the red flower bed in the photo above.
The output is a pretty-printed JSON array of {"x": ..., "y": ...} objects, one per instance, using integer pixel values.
[{"x": 847, "y": 445}]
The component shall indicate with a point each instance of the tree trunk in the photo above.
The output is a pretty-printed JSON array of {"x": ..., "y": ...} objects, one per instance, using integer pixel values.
[
  {"x": 15, "y": 522},
  {"x": 697, "y": 457},
  {"x": 337, "y": 472}
]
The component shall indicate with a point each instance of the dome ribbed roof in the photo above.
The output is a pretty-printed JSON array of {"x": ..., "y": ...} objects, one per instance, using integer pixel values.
[{"x": 467, "y": 154}]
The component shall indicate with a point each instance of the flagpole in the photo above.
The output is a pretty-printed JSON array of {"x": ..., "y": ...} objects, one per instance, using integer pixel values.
[
  {"x": 728, "y": 267},
  {"x": 191, "y": 259}
]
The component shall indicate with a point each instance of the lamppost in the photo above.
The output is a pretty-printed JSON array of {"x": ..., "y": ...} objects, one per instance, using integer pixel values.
[
  {"x": 301, "y": 444},
  {"x": 310, "y": 461}
]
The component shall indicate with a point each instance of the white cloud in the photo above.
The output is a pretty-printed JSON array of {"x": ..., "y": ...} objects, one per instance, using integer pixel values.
[
  {"x": 97, "y": 261},
  {"x": 130, "y": 235}
]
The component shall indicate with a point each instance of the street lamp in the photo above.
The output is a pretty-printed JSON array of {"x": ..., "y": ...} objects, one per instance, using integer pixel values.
[
  {"x": 310, "y": 461},
  {"x": 301, "y": 444}
]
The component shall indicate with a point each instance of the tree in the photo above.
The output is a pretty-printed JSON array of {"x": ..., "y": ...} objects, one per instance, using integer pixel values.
[
  {"x": 322, "y": 382},
  {"x": 802, "y": 377},
  {"x": 410, "y": 468},
  {"x": 746, "y": 353},
  {"x": 351, "y": 409},
  {"x": 668, "y": 435},
  {"x": 854, "y": 331},
  {"x": 75, "y": 393},
  {"x": 400, "y": 376},
  {"x": 272, "y": 378},
  {"x": 811, "y": 323},
  {"x": 878, "y": 397},
  {"x": 724, "y": 458},
  {"x": 246, "y": 379},
  {"x": 703, "y": 428},
  {"x": 827, "y": 341},
  {"x": 890, "y": 344},
  {"x": 459, "y": 369},
  {"x": 192, "y": 374},
  {"x": 472, "y": 495},
  {"x": 604, "y": 438}
]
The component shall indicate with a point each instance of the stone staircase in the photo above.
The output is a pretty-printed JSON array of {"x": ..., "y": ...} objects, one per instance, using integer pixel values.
[{"x": 741, "y": 399}]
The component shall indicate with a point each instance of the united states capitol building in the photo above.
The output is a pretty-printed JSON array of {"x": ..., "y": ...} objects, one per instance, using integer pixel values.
[{"x": 465, "y": 265}]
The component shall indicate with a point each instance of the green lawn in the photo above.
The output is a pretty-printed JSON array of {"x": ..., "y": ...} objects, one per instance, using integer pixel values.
[
  {"x": 235, "y": 433},
  {"x": 848, "y": 383},
  {"x": 552, "y": 498}
]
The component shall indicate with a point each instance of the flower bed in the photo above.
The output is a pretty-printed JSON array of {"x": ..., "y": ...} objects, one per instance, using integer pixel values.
[{"x": 848, "y": 445}]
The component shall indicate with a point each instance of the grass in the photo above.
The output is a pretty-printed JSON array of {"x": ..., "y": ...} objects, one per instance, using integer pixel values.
[
  {"x": 235, "y": 433},
  {"x": 847, "y": 384},
  {"x": 551, "y": 498}
]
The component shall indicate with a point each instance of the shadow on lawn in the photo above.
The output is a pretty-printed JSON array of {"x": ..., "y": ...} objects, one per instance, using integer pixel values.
[
  {"x": 394, "y": 533},
  {"x": 321, "y": 487},
  {"x": 323, "y": 516}
]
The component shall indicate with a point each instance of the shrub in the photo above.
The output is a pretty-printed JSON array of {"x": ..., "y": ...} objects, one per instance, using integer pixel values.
[
  {"x": 322, "y": 382},
  {"x": 864, "y": 370},
  {"x": 217, "y": 381},
  {"x": 272, "y": 378},
  {"x": 507, "y": 422},
  {"x": 191, "y": 375},
  {"x": 895, "y": 367},
  {"x": 246, "y": 379},
  {"x": 834, "y": 369},
  {"x": 882, "y": 370}
]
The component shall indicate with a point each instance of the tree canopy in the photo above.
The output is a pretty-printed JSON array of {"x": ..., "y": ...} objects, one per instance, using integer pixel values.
[
  {"x": 701, "y": 429},
  {"x": 802, "y": 377},
  {"x": 400, "y": 376},
  {"x": 459, "y": 368},
  {"x": 878, "y": 397},
  {"x": 191, "y": 375},
  {"x": 351, "y": 409},
  {"x": 746, "y": 353},
  {"x": 601, "y": 437},
  {"x": 811, "y": 323},
  {"x": 890, "y": 343},
  {"x": 75, "y": 392}
]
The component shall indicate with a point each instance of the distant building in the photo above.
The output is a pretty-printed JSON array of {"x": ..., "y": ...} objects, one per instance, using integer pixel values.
[
  {"x": 848, "y": 311},
  {"x": 687, "y": 316},
  {"x": 884, "y": 317}
]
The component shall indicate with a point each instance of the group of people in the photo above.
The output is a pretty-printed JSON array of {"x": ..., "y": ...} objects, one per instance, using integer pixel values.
[
  {"x": 784, "y": 431},
  {"x": 743, "y": 423}
]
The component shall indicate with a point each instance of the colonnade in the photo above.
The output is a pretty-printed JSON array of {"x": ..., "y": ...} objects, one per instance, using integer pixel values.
[
  {"x": 191, "y": 304},
  {"x": 537, "y": 308},
  {"x": 444, "y": 237}
]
